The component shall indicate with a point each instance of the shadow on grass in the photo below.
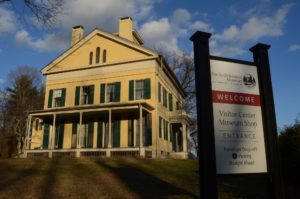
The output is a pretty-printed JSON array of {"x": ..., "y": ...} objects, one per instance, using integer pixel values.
[
  {"x": 144, "y": 184},
  {"x": 46, "y": 189},
  {"x": 21, "y": 176}
]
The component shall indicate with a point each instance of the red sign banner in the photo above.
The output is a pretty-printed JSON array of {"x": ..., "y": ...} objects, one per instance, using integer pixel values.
[{"x": 235, "y": 98}]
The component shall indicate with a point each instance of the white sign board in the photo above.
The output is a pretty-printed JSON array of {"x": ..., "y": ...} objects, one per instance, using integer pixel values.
[{"x": 239, "y": 137}]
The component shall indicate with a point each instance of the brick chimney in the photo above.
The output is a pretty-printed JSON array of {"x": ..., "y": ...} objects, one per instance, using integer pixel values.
[
  {"x": 77, "y": 34},
  {"x": 126, "y": 28}
]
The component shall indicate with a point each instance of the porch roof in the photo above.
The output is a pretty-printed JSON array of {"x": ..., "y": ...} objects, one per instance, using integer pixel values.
[{"x": 91, "y": 108}]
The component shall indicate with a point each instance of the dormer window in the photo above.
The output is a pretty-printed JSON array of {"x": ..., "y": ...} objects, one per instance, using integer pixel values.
[
  {"x": 97, "y": 55},
  {"x": 104, "y": 56},
  {"x": 91, "y": 58}
]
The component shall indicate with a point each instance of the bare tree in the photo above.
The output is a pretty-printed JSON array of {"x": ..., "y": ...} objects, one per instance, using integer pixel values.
[
  {"x": 183, "y": 68},
  {"x": 45, "y": 12}
]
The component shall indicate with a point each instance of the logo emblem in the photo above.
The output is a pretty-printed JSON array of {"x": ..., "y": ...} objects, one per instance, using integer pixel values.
[{"x": 249, "y": 81}]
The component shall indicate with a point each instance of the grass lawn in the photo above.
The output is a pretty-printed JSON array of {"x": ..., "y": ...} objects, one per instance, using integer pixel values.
[{"x": 98, "y": 178}]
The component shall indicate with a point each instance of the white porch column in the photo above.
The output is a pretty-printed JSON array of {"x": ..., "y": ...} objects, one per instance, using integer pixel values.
[
  {"x": 142, "y": 150},
  {"x": 79, "y": 130},
  {"x": 27, "y": 140},
  {"x": 141, "y": 127},
  {"x": 52, "y": 145},
  {"x": 188, "y": 138},
  {"x": 184, "y": 143},
  {"x": 109, "y": 128}
]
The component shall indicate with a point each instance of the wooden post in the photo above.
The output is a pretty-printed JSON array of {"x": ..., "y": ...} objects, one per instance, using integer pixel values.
[
  {"x": 261, "y": 60},
  {"x": 206, "y": 140}
]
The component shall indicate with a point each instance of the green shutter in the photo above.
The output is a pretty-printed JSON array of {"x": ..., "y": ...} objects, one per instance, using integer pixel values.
[
  {"x": 74, "y": 128},
  {"x": 165, "y": 100},
  {"x": 147, "y": 89},
  {"x": 99, "y": 135},
  {"x": 90, "y": 134},
  {"x": 46, "y": 136},
  {"x": 77, "y": 95},
  {"x": 102, "y": 93},
  {"x": 63, "y": 96},
  {"x": 91, "y": 94},
  {"x": 170, "y": 102},
  {"x": 159, "y": 92},
  {"x": 118, "y": 91},
  {"x": 159, "y": 126},
  {"x": 171, "y": 133},
  {"x": 116, "y": 132},
  {"x": 167, "y": 130},
  {"x": 149, "y": 136},
  {"x": 60, "y": 135},
  {"x": 50, "y": 98},
  {"x": 131, "y": 90}
]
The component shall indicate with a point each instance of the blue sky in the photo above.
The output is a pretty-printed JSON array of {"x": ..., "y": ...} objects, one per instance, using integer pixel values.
[{"x": 236, "y": 26}]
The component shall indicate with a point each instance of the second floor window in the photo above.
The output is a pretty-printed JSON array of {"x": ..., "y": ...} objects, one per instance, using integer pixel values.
[
  {"x": 110, "y": 92},
  {"x": 84, "y": 95},
  {"x": 57, "y": 98},
  {"x": 140, "y": 89}
]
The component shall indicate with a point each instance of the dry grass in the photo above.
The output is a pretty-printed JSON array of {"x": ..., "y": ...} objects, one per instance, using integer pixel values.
[{"x": 94, "y": 178}]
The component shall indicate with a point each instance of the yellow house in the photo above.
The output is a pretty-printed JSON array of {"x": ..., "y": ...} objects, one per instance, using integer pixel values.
[{"x": 108, "y": 95}]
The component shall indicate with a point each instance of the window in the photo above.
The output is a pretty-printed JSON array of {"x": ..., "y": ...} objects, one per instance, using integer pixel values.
[
  {"x": 84, "y": 95},
  {"x": 110, "y": 92},
  {"x": 97, "y": 55},
  {"x": 178, "y": 105},
  {"x": 160, "y": 127},
  {"x": 165, "y": 97},
  {"x": 57, "y": 98},
  {"x": 104, "y": 56},
  {"x": 91, "y": 58},
  {"x": 170, "y": 102},
  {"x": 139, "y": 89},
  {"x": 159, "y": 92}
]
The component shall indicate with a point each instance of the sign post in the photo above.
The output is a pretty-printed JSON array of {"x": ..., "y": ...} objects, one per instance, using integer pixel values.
[
  {"x": 206, "y": 143},
  {"x": 236, "y": 118},
  {"x": 261, "y": 60}
]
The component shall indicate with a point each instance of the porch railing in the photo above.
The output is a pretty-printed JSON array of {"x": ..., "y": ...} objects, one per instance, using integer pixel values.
[{"x": 91, "y": 153}]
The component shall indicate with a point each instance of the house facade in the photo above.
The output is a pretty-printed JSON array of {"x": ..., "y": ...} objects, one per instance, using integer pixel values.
[{"x": 108, "y": 95}]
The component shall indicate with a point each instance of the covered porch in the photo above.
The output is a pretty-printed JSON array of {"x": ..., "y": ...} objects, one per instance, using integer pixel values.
[{"x": 91, "y": 131}]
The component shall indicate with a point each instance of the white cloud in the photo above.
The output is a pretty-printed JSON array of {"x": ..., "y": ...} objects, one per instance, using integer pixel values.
[
  {"x": 90, "y": 14},
  {"x": 165, "y": 33},
  {"x": 202, "y": 26},
  {"x": 294, "y": 47},
  {"x": 50, "y": 42},
  {"x": 255, "y": 28},
  {"x": 104, "y": 14},
  {"x": 7, "y": 21},
  {"x": 1, "y": 81},
  {"x": 159, "y": 32},
  {"x": 181, "y": 16}
]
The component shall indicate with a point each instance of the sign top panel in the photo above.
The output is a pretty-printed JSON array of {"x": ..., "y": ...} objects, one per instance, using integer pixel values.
[{"x": 234, "y": 77}]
